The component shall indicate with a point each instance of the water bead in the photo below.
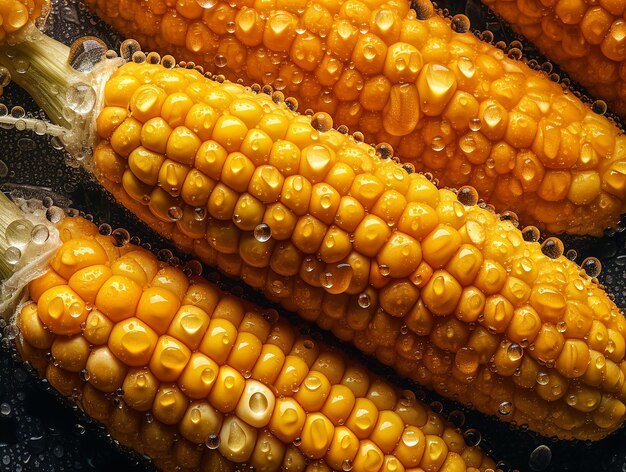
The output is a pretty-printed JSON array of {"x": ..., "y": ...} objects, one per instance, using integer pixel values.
[
  {"x": 86, "y": 52},
  {"x": 592, "y": 266},
  {"x": 505, "y": 408},
  {"x": 12, "y": 255},
  {"x": 460, "y": 23},
  {"x": 467, "y": 195},
  {"x": 472, "y": 437},
  {"x": 364, "y": 300},
  {"x": 262, "y": 233},
  {"x": 121, "y": 237},
  {"x": 322, "y": 122},
  {"x": 540, "y": 458},
  {"x": 81, "y": 97},
  {"x": 18, "y": 233},
  {"x": 531, "y": 234},
  {"x": 599, "y": 107},
  {"x": 128, "y": 48},
  {"x": 553, "y": 248}
]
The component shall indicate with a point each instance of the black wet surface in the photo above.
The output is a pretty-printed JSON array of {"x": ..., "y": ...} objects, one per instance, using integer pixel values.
[{"x": 40, "y": 431}]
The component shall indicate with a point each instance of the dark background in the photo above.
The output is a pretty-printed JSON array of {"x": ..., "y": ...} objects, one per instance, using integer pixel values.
[{"x": 40, "y": 431}]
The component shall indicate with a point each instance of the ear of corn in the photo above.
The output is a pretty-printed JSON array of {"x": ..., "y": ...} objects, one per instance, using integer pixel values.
[
  {"x": 444, "y": 292},
  {"x": 206, "y": 381},
  {"x": 430, "y": 283},
  {"x": 585, "y": 39},
  {"x": 448, "y": 103}
]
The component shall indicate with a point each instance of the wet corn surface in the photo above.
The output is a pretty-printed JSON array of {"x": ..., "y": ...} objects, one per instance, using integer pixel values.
[{"x": 40, "y": 432}]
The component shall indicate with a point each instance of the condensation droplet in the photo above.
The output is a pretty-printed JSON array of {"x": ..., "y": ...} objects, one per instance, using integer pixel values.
[
  {"x": 592, "y": 266},
  {"x": 18, "y": 233},
  {"x": 262, "y": 233},
  {"x": 12, "y": 255},
  {"x": 128, "y": 48},
  {"x": 213, "y": 441},
  {"x": 85, "y": 53},
  {"x": 540, "y": 458},
  {"x": 81, "y": 97},
  {"x": 364, "y": 300},
  {"x": 505, "y": 408}
]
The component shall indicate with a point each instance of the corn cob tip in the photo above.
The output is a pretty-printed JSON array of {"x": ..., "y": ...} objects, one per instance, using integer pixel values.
[{"x": 26, "y": 242}]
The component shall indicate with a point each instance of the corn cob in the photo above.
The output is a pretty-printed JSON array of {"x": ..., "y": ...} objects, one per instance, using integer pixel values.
[
  {"x": 154, "y": 354},
  {"x": 448, "y": 103},
  {"x": 430, "y": 283},
  {"x": 586, "y": 39}
]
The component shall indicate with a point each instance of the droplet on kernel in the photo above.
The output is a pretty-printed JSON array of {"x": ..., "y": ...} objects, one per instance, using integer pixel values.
[
  {"x": 322, "y": 122},
  {"x": 515, "y": 352},
  {"x": 213, "y": 441},
  {"x": 364, "y": 300},
  {"x": 505, "y": 408},
  {"x": 175, "y": 213},
  {"x": 262, "y": 233},
  {"x": 437, "y": 144}
]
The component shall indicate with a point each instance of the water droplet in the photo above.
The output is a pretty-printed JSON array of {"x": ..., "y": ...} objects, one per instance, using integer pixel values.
[
  {"x": 437, "y": 143},
  {"x": 21, "y": 64},
  {"x": 322, "y": 122},
  {"x": 85, "y": 53},
  {"x": 364, "y": 300},
  {"x": 531, "y": 234},
  {"x": 542, "y": 378},
  {"x": 505, "y": 408},
  {"x": 258, "y": 402},
  {"x": 475, "y": 124},
  {"x": 515, "y": 352},
  {"x": 12, "y": 255},
  {"x": 540, "y": 458},
  {"x": 460, "y": 23},
  {"x": 168, "y": 61},
  {"x": 472, "y": 437},
  {"x": 128, "y": 48},
  {"x": 18, "y": 233},
  {"x": 121, "y": 237},
  {"x": 592, "y": 266},
  {"x": 213, "y": 441},
  {"x": 175, "y": 213},
  {"x": 220, "y": 60},
  {"x": 262, "y": 232},
  {"x": 5, "y": 77},
  {"x": 346, "y": 465},
  {"x": 553, "y": 248},
  {"x": 599, "y": 107},
  {"x": 467, "y": 195},
  {"x": 81, "y": 97}
]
